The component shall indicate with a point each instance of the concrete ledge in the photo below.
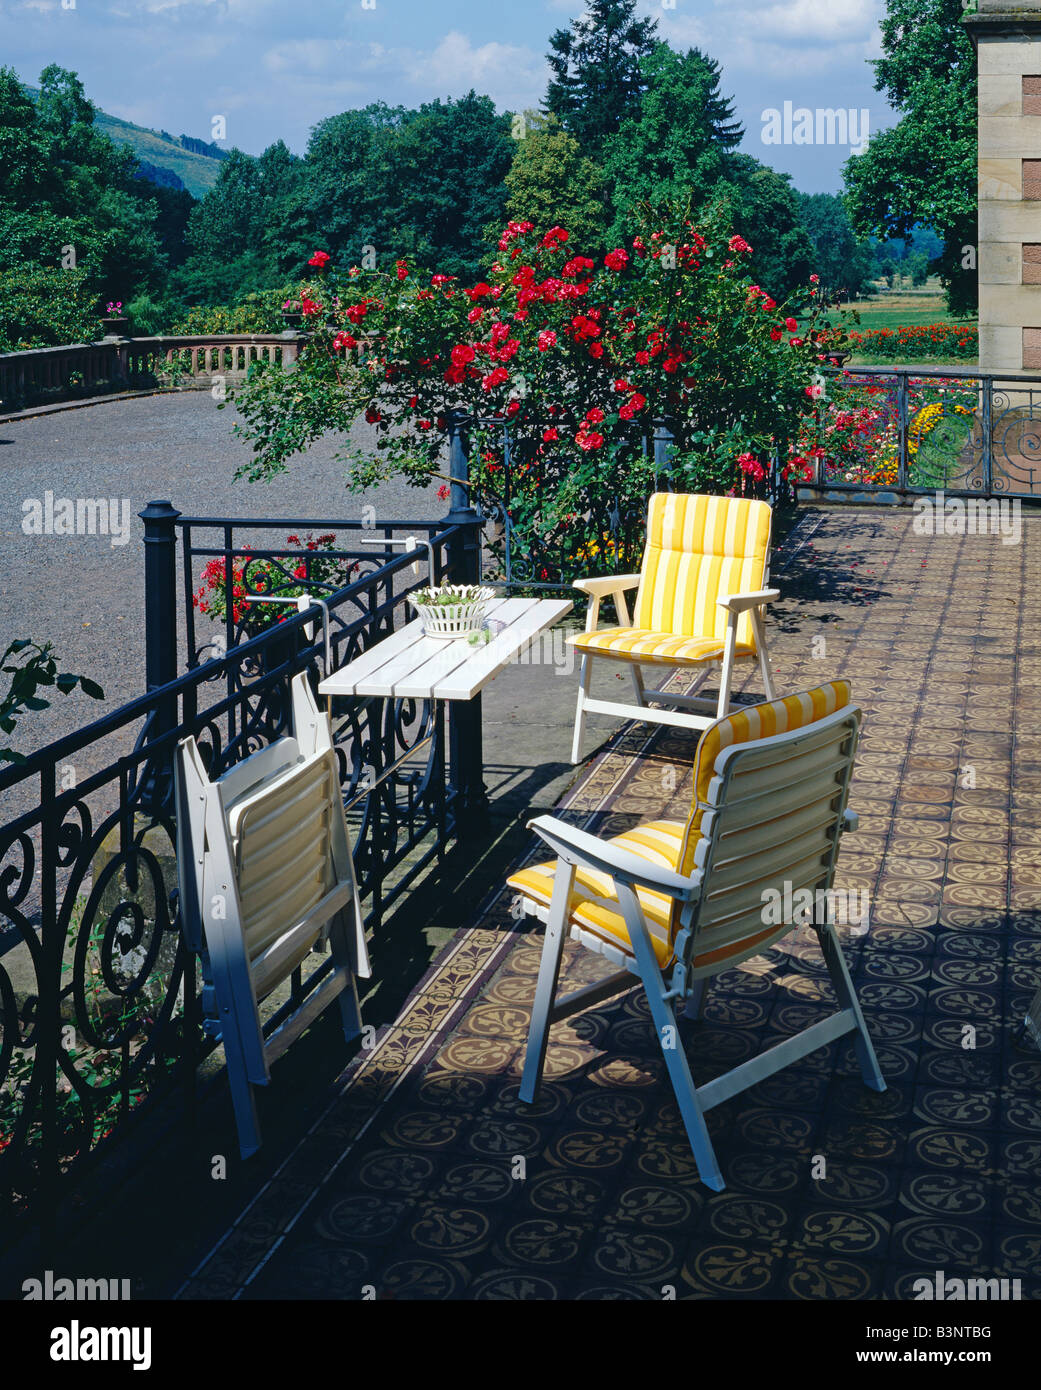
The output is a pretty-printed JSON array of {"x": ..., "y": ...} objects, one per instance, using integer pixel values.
[{"x": 31, "y": 412}]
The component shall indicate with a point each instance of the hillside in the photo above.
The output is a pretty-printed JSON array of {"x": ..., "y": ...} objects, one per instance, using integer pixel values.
[{"x": 196, "y": 171}]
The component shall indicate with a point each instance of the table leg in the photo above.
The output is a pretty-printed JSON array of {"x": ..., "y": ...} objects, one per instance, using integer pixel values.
[{"x": 466, "y": 764}]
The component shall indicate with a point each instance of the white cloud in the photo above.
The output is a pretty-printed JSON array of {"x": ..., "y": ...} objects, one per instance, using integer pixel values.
[{"x": 511, "y": 74}]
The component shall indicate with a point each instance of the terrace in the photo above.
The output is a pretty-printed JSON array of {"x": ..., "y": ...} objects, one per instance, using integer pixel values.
[{"x": 413, "y": 1172}]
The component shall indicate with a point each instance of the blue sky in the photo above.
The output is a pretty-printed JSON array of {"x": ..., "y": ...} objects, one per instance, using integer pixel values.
[{"x": 273, "y": 68}]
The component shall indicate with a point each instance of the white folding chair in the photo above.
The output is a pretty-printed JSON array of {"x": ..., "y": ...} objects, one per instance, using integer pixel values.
[
  {"x": 700, "y": 596},
  {"x": 676, "y": 902},
  {"x": 266, "y": 877}
]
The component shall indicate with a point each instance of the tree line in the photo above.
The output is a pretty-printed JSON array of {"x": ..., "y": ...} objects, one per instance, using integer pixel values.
[{"x": 626, "y": 120}]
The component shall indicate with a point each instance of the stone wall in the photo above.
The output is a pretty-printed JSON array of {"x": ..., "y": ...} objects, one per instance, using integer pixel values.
[{"x": 1007, "y": 35}]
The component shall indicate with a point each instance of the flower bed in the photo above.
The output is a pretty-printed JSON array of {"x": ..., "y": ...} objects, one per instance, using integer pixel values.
[
  {"x": 856, "y": 435},
  {"x": 944, "y": 342}
]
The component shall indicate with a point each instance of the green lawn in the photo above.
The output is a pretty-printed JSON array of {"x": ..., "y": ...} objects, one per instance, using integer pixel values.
[{"x": 894, "y": 308}]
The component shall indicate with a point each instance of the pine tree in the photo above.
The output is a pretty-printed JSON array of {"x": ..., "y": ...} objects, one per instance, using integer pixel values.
[{"x": 597, "y": 81}]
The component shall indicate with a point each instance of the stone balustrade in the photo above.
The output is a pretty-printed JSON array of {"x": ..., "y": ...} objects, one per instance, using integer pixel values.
[{"x": 41, "y": 375}]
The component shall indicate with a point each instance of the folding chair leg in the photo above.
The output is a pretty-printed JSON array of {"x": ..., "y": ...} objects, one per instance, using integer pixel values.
[
  {"x": 637, "y": 679},
  {"x": 671, "y": 1044},
  {"x": 243, "y": 1102},
  {"x": 726, "y": 674},
  {"x": 546, "y": 989},
  {"x": 350, "y": 1008},
  {"x": 585, "y": 676},
  {"x": 695, "y": 1000},
  {"x": 840, "y": 978},
  {"x": 765, "y": 669}
]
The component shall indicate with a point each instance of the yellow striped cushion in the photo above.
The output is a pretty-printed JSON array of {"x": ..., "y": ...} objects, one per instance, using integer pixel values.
[
  {"x": 664, "y": 647},
  {"x": 659, "y": 842},
  {"x": 673, "y": 843},
  {"x": 756, "y": 721},
  {"x": 698, "y": 549}
]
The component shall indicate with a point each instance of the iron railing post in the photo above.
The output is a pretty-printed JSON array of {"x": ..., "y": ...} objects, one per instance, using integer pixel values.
[
  {"x": 902, "y": 470},
  {"x": 662, "y": 442},
  {"x": 160, "y": 542},
  {"x": 987, "y": 384},
  {"x": 465, "y": 723}
]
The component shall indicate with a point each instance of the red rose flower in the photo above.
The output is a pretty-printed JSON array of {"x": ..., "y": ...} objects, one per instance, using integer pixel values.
[
  {"x": 617, "y": 259},
  {"x": 546, "y": 339},
  {"x": 320, "y": 260},
  {"x": 791, "y": 325},
  {"x": 550, "y": 436},
  {"x": 595, "y": 415},
  {"x": 589, "y": 441},
  {"x": 462, "y": 353}
]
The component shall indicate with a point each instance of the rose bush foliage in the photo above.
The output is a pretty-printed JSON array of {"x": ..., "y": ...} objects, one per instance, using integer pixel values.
[{"x": 577, "y": 356}]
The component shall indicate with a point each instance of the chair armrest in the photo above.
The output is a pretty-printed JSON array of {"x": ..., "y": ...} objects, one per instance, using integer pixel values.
[
  {"x": 579, "y": 847},
  {"x": 739, "y": 603},
  {"x": 612, "y": 584}
]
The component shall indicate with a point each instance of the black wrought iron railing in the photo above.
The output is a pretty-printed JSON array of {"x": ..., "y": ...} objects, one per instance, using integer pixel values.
[
  {"x": 99, "y": 999},
  {"x": 907, "y": 430}
]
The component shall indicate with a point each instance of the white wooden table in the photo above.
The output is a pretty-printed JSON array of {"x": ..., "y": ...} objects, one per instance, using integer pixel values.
[{"x": 407, "y": 665}]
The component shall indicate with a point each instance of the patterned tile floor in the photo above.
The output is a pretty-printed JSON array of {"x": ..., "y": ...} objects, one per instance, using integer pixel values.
[{"x": 427, "y": 1179}]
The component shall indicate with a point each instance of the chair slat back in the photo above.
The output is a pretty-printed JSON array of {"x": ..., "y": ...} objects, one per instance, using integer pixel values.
[
  {"x": 769, "y": 834},
  {"x": 698, "y": 549},
  {"x": 281, "y": 838},
  {"x": 265, "y": 871}
]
